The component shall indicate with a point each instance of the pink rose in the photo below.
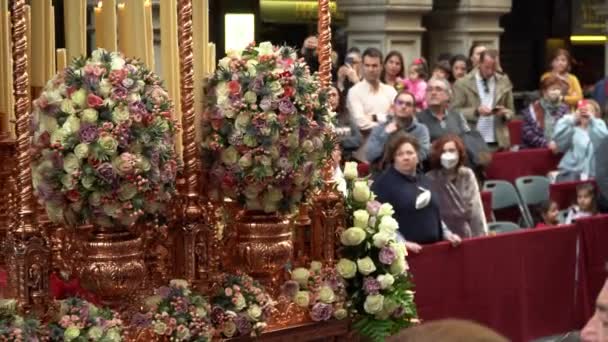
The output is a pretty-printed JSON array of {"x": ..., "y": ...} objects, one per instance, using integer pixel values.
[{"x": 94, "y": 101}]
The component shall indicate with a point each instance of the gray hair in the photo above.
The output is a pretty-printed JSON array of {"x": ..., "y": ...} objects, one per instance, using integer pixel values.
[{"x": 446, "y": 85}]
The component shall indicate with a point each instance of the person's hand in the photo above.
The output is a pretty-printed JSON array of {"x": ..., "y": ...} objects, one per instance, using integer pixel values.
[
  {"x": 484, "y": 111},
  {"x": 553, "y": 147},
  {"x": 351, "y": 74},
  {"x": 391, "y": 127},
  {"x": 413, "y": 247},
  {"x": 500, "y": 110},
  {"x": 454, "y": 239},
  {"x": 311, "y": 43}
]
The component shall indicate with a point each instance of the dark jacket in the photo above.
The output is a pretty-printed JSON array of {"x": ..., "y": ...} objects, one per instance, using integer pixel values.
[
  {"x": 416, "y": 225},
  {"x": 455, "y": 123},
  {"x": 601, "y": 174}
]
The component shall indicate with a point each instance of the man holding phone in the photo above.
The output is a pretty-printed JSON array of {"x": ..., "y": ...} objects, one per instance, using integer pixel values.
[{"x": 486, "y": 100}]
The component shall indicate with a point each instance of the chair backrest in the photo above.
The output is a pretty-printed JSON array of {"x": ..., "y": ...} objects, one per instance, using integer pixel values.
[
  {"x": 533, "y": 190},
  {"x": 502, "y": 227},
  {"x": 504, "y": 194}
]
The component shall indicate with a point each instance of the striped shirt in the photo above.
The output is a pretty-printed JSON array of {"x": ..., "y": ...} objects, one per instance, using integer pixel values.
[{"x": 487, "y": 91}]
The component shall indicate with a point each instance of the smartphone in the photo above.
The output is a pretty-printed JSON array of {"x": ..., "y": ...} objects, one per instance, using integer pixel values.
[{"x": 348, "y": 60}]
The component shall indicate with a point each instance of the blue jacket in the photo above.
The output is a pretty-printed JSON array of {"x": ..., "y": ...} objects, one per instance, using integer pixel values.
[
  {"x": 379, "y": 137},
  {"x": 601, "y": 174},
  {"x": 577, "y": 145},
  {"x": 599, "y": 93}
]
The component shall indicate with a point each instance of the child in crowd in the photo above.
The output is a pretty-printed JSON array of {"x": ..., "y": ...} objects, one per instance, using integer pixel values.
[
  {"x": 416, "y": 82},
  {"x": 442, "y": 70},
  {"x": 586, "y": 203},
  {"x": 548, "y": 213}
]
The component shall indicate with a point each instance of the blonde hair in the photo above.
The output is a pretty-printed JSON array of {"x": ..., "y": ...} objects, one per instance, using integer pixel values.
[
  {"x": 596, "y": 107},
  {"x": 448, "y": 330}
]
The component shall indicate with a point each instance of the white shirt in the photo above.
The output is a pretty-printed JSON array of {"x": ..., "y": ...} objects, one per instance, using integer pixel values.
[
  {"x": 363, "y": 101},
  {"x": 485, "y": 124}
]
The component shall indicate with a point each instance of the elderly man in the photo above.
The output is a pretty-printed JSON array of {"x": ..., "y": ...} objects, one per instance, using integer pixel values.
[
  {"x": 486, "y": 100},
  {"x": 437, "y": 117},
  {"x": 596, "y": 329},
  {"x": 368, "y": 101}
]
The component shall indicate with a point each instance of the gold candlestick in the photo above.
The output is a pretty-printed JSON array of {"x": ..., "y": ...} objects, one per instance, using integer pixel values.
[
  {"x": 74, "y": 23},
  {"x": 99, "y": 26},
  {"x": 62, "y": 60}
]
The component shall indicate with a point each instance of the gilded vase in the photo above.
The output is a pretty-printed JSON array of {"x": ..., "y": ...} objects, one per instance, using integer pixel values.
[
  {"x": 112, "y": 264},
  {"x": 263, "y": 245}
]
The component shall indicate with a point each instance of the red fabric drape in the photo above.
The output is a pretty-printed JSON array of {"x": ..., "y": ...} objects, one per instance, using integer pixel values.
[
  {"x": 521, "y": 284},
  {"x": 515, "y": 131},
  {"x": 511, "y": 165}
]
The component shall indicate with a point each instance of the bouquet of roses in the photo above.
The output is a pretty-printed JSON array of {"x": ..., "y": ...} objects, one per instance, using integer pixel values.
[
  {"x": 241, "y": 307},
  {"x": 267, "y": 129},
  {"x": 81, "y": 321},
  {"x": 103, "y": 142},
  {"x": 373, "y": 263},
  {"x": 177, "y": 313},
  {"x": 319, "y": 289},
  {"x": 14, "y": 327}
]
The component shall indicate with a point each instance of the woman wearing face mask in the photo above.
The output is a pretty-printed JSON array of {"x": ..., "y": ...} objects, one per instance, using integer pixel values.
[
  {"x": 578, "y": 136},
  {"x": 542, "y": 115},
  {"x": 456, "y": 188},
  {"x": 416, "y": 208}
]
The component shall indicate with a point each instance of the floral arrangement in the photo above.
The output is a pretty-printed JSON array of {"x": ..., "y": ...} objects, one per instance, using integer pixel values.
[
  {"x": 14, "y": 327},
  {"x": 103, "y": 142},
  {"x": 267, "y": 129},
  {"x": 373, "y": 263},
  {"x": 241, "y": 307},
  {"x": 79, "y": 320},
  {"x": 319, "y": 289},
  {"x": 176, "y": 313}
]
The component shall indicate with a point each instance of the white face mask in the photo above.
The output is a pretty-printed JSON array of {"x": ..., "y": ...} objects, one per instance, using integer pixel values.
[{"x": 449, "y": 159}]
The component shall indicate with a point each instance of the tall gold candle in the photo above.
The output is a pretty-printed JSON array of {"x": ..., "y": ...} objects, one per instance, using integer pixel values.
[
  {"x": 62, "y": 61},
  {"x": 170, "y": 59},
  {"x": 8, "y": 95},
  {"x": 49, "y": 53},
  {"x": 74, "y": 27},
  {"x": 122, "y": 25},
  {"x": 99, "y": 26},
  {"x": 199, "y": 51},
  {"x": 109, "y": 25},
  {"x": 28, "y": 33},
  {"x": 205, "y": 30},
  {"x": 136, "y": 43},
  {"x": 38, "y": 59},
  {"x": 149, "y": 31},
  {"x": 4, "y": 61},
  {"x": 211, "y": 49}
]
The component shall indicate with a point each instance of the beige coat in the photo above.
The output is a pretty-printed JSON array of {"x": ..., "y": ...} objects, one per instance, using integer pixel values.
[{"x": 466, "y": 100}]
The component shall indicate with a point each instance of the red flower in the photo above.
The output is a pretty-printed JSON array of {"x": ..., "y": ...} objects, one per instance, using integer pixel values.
[
  {"x": 289, "y": 91},
  {"x": 94, "y": 101},
  {"x": 216, "y": 124},
  {"x": 228, "y": 181},
  {"x": 234, "y": 87},
  {"x": 117, "y": 76},
  {"x": 73, "y": 195}
]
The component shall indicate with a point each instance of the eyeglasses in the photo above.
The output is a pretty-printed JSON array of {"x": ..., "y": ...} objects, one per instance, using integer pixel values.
[
  {"x": 404, "y": 103},
  {"x": 437, "y": 89}
]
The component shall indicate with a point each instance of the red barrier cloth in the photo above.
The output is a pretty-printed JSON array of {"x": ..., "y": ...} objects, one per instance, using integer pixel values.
[
  {"x": 515, "y": 127},
  {"x": 520, "y": 284},
  {"x": 486, "y": 201},
  {"x": 565, "y": 193},
  {"x": 61, "y": 289},
  {"x": 511, "y": 165},
  {"x": 594, "y": 247}
]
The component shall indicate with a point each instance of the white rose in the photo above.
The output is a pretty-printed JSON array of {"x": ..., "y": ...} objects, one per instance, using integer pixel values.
[
  {"x": 361, "y": 218},
  {"x": 398, "y": 267},
  {"x": 366, "y": 266},
  {"x": 385, "y": 280},
  {"x": 350, "y": 170},
  {"x": 254, "y": 312},
  {"x": 105, "y": 87},
  {"x": 225, "y": 63},
  {"x": 265, "y": 48},
  {"x": 96, "y": 55},
  {"x": 89, "y": 115},
  {"x": 386, "y": 209},
  {"x": 373, "y": 304},
  {"x": 352, "y": 236},
  {"x": 388, "y": 225},
  {"x": 300, "y": 275},
  {"x": 361, "y": 192},
  {"x": 48, "y": 123},
  {"x": 117, "y": 62},
  {"x": 71, "y": 124},
  {"x": 381, "y": 239},
  {"x": 81, "y": 151}
]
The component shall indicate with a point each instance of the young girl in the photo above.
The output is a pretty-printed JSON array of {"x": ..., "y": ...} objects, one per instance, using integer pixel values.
[
  {"x": 416, "y": 82},
  {"x": 586, "y": 203},
  {"x": 548, "y": 211}
]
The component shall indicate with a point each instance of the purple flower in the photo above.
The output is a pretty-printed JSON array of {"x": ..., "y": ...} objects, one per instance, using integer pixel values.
[
  {"x": 286, "y": 106},
  {"x": 140, "y": 320},
  {"x": 120, "y": 93},
  {"x": 127, "y": 83},
  {"x": 290, "y": 288},
  {"x": 243, "y": 325},
  {"x": 373, "y": 207},
  {"x": 164, "y": 291},
  {"x": 181, "y": 307},
  {"x": 321, "y": 312},
  {"x": 217, "y": 315},
  {"x": 387, "y": 255},
  {"x": 88, "y": 133},
  {"x": 138, "y": 107},
  {"x": 266, "y": 104},
  {"x": 257, "y": 84},
  {"x": 371, "y": 286},
  {"x": 106, "y": 172}
]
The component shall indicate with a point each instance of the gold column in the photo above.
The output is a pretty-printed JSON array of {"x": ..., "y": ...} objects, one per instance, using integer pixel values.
[
  {"x": 324, "y": 45},
  {"x": 199, "y": 241},
  {"x": 27, "y": 254}
]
